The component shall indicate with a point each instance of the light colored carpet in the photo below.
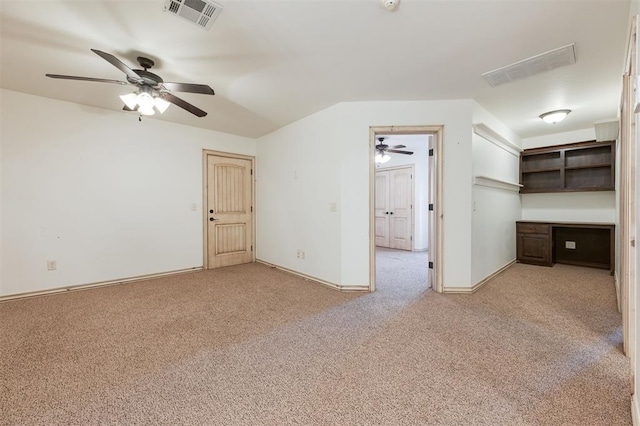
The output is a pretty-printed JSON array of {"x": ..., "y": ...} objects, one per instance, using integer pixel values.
[
  {"x": 251, "y": 345},
  {"x": 401, "y": 268}
]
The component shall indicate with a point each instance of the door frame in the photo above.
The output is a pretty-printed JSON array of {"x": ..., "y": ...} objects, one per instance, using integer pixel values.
[
  {"x": 437, "y": 133},
  {"x": 205, "y": 187},
  {"x": 413, "y": 196}
]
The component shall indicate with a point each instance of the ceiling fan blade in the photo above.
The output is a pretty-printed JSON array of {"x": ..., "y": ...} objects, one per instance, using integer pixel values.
[
  {"x": 183, "y": 104},
  {"x": 202, "y": 89},
  {"x": 118, "y": 64},
  {"x": 397, "y": 146},
  {"x": 73, "y": 77},
  {"x": 126, "y": 108},
  {"x": 400, "y": 152}
]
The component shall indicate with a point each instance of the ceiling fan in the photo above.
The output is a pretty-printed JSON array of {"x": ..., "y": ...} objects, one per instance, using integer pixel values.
[
  {"x": 152, "y": 92},
  {"x": 382, "y": 149}
]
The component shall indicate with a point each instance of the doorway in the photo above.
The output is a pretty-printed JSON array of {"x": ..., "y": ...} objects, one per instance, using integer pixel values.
[
  {"x": 228, "y": 199},
  {"x": 417, "y": 196}
]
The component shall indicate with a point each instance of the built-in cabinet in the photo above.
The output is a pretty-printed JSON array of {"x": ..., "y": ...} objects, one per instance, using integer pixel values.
[
  {"x": 584, "y": 244},
  {"x": 583, "y": 166}
]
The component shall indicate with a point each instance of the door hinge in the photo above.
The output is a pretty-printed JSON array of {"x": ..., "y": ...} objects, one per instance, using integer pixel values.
[
  {"x": 251, "y": 248},
  {"x": 430, "y": 265},
  {"x": 251, "y": 209},
  {"x": 633, "y": 242},
  {"x": 430, "y": 207},
  {"x": 251, "y": 172},
  {"x": 431, "y": 152},
  {"x": 411, "y": 238}
]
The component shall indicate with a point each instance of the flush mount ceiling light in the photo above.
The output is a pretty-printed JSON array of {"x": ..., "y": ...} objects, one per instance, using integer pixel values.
[{"x": 553, "y": 117}]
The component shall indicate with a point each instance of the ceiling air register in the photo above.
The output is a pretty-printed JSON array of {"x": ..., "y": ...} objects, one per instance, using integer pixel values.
[{"x": 202, "y": 13}]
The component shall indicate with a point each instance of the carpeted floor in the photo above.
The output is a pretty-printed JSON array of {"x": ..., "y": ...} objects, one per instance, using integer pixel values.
[
  {"x": 401, "y": 268},
  {"x": 251, "y": 345}
]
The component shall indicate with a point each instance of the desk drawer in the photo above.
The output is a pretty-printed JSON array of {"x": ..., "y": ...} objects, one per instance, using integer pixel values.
[{"x": 532, "y": 228}]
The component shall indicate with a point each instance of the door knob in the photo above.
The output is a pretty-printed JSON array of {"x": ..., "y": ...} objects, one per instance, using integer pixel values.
[
  {"x": 210, "y": 211},
  {"x": 391, "y": 213},
  {"x": 386, "y": 212},
  {"x": 212, "y": 219}
]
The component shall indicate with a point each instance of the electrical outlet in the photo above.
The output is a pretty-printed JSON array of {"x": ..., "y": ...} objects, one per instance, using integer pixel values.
[
  {"x": 570, "y": 245},
  {"x": 300, "y": 254},
  {"x": 52, "y": 265}
]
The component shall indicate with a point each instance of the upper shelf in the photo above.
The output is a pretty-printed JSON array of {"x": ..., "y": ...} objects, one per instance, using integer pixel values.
[{"x": 583, "y": 166}]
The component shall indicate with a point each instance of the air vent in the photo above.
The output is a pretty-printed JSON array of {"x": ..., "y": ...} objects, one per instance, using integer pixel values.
[
  {"x": 202, "y": 13},
  {"x": 547, "y": 61}
]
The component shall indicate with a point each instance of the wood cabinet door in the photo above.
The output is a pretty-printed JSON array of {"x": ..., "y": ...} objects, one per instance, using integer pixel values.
[{"x": 534, "y": 248}]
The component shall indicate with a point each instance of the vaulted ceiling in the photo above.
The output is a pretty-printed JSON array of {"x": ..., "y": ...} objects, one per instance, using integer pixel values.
[{"x": 274, "y": 62}]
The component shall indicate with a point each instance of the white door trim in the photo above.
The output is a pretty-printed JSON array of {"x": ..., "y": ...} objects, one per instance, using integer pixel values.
[
  {"x": 205, "y": 223},
  {"x": 437, "y": 249}
]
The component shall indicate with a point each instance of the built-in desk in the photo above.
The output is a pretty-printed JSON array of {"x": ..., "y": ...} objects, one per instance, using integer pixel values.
[{"x": 585, "y": 244}]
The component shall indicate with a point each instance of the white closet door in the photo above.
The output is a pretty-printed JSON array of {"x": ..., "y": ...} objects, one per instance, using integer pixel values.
[
  {"x": 400, "y": 209},
  {"x": 382, "y": 209}
]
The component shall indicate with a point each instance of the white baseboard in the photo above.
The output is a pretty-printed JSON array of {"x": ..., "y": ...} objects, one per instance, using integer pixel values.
[
  {"x": 334, "y": 286},
  {"x": 97, "y": 284},
  {"x": 635, "y": 410},
  {"x": 477, "y": 286}
]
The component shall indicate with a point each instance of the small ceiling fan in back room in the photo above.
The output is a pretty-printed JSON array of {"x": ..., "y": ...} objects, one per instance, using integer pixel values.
[
  {"x": 382, "y": 149},
  {"x": 152, "y": 92}
]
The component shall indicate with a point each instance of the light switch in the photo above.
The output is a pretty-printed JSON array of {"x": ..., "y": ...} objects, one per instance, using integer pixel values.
[{"x": 570, "y": 245}]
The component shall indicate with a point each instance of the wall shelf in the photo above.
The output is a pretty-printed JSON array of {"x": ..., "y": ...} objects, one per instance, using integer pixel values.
[
  {"x": 496, "y": 183},
  {"x": 495, "y": 138},
  {"x": 582, "y": 166}
]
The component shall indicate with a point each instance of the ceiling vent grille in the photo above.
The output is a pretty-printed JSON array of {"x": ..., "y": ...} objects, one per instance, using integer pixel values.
[
  {"x": 202, "y": 13},
  {"x": 547, "y": 61}
]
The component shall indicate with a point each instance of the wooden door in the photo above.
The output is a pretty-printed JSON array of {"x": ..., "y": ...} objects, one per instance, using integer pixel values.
[
  {"x": 401, "y": 209},
  {"x": 382, "y": 209},
  {"x": 229, "y": 199}
]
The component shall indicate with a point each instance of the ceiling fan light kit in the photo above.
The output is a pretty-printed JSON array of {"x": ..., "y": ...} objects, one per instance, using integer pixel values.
[
  {"x": 553, "y": 117},
  {"x": 382, "y": 158},
  {"x": 152, "y": 92}
]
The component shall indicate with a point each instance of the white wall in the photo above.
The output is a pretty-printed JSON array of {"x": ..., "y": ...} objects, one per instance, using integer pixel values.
[
  {"x": 330, "y": 152},
  {"x": 495, "y": 210},
  {"x": 560, "y": 138},
  {"x": 420, "y": 162},
  {"x": 104, "y": 195},
  {"x": 597, "y": 206}
]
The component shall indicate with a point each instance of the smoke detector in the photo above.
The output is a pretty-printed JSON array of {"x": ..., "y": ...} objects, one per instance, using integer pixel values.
[
  {"x": 389, "y": 4},
  {"x": 200, "y": 12}
]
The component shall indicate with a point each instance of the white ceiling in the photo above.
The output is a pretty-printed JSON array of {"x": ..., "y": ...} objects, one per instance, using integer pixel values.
[{"x": 274, "y": 62}]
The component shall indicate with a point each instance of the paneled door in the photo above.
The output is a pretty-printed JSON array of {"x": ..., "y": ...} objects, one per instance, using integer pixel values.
[
  {"x": 394, "y": 208},
  {"x": 382, "y": 209},
  {"x": 229, "y": 208}
]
